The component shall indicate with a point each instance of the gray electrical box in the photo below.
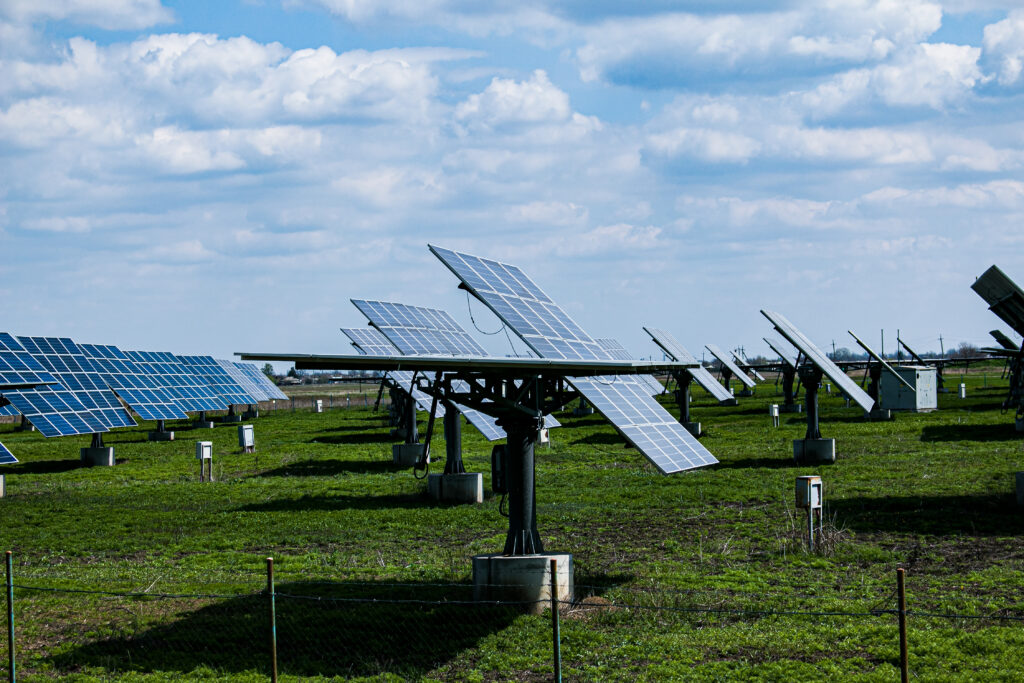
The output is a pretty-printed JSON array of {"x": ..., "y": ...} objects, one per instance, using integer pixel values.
[
  {"x": 893, "y": 395},
  {"x": 247, "y": 438},
  {"x": 808, "y": 492},
  {"x": 204, "y": 450}
]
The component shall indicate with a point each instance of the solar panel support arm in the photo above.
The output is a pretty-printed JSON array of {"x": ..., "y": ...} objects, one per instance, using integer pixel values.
[{"x": 810, "y": 376}]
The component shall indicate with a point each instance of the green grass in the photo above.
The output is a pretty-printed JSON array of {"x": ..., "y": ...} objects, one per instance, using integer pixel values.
[{"x": 680, "y": 577}]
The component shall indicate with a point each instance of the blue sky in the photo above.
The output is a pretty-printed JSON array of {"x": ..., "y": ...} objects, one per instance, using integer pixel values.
[{"x": 223, "y": 176}]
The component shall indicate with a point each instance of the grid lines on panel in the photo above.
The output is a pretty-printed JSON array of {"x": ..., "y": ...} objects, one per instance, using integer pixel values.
[
  {"x": 676, "y": 351},
  {"x": 17, "y": 366},
  {"x": 250, "y": 387},
  {"x": 135, "y": 384},
  {"x": 369, "y": 341},
  {"x": 271, "y": 392},
  {"x": 217, "y": 378},
  {"x": 419, "y": 331},
  {"x": 190, "y": 393},
  {"x": 6, "y": 457},
  {"x": 619, "y": 352}
]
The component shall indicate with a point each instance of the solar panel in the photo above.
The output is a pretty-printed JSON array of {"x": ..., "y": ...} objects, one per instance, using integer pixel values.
[
  {"x": 135, "y": 384},
  {"x": 678, "y": 352},
  {"x": 1003, "y": 296},
  {"x": 243, "y": 380},
  {"x": 6, "y": 457},
  {"x": 419, "y": 331},
  {"x": 17, "y": 366},
  {"x": 1003, "y": 340},
  {"x": 619, "y": 352},
  {"x": 727, "y": 362},
  {"x": 819, "y": 359},
  {"x": 217, "y": 378},
  {"x": 8, "y": 410},
  {"x": 370, "y": 341},
  {"x": 881, "y": 361},
  {"x": 745, "y": 366},
  {"x": 188, "y": 391},
  {"x": 66, "y": 361},
  {"x": 551, "y": 333},
  {"x": 271, "y": 392},
  {"x": 787, "y": 357}
]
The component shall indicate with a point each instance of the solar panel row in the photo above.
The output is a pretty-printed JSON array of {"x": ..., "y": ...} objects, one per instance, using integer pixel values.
[
  {"x": 186, "y": 389},
  {"x": 727, "y": 362},
  {"x": 419, "y": 331},
  {"x": 135, "y": 384},
  {"x": 217, "y": 378},
  {"x": 676, "y": 351}
]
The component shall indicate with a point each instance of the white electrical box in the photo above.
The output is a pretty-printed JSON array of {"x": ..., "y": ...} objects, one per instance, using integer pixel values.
[
  {"x": 808, "y": 492},
  {"x": 544, "y": 436},
  {"x": 204, "y": 450},
  {"x": 894, "y": 395},
  {"x": 246, "y": 437},
  {"x": 318, "y": 406},
  {"x": 773, "y": 410}
]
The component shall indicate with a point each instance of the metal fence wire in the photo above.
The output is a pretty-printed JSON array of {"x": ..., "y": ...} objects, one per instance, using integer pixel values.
[{"x": 249, "y": 625}]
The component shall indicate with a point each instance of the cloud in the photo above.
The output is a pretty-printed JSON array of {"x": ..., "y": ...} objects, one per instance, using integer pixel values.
[
  {"x": 510, "y": 102},
  {"x": 106, "y": 14},
  {"x": 1004, "y": 47}
]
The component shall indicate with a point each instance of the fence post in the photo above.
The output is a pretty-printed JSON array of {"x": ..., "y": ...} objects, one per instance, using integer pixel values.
[
  {"x": 273, "y": 620},
  {"x": 556, "y": 640},
  {"x": 11, "y": 674},
  {"x": 904, "y": 665}
]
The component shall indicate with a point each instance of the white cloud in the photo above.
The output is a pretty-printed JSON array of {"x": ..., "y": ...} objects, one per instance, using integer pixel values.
[
  {"x": 549, "y": 213},
  {"x": 108, "y": 14},
  {"x": 509, "y": 102},
  {"x": 1004, "y": 45}
]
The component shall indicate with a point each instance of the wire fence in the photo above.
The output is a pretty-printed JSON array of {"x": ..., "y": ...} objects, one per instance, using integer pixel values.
[{"x": 249, "y": 625}]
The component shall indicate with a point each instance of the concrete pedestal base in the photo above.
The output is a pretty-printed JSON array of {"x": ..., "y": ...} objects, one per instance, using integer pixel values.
[
  {"x": 745, "y": 393},
  {"x": 406, "y": 454},
  {"x": 522, "y": 578},
  {"x": 161, "y": 436},
  {"x": 729, "y": 402},
  {"x": 203, "y": 424},
  {"x": 692, "y": 427},
  {"x": 98, "y": 457},
  {"x": 456, "y": 488},
  {"x": 878, "y": 414},
  {"x": 814, "y": 451},
  {"x": 231, "y": 418},
  {"x": 1020, "y": 489},
  {"x": 792, "y": 408}
]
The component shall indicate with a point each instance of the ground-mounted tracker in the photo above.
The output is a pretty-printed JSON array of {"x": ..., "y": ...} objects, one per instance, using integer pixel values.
[
  {"x": 727, "y": 363},
  {"x": 745, "y": 365},
  {"x": 552, "y": 334},
  {"x": 8, "y": 410},
  {"x": 243, "y": 380},
  {"x": 419, "y": 331},
  {"x": 66, "y": 361},
  {"x": 676, "y": 351},
  {"x": 370, "y": 341},
  {"x": 787, "y": 357},
  {"x": 190, "y": 393},
  {"x": 619, "y": 352},
  {"x": 1003, "y": 296},
  {"x": 207, "y": 369},
  {"x": 135, "y": 384},
  {"x": 271, "y": 391}
]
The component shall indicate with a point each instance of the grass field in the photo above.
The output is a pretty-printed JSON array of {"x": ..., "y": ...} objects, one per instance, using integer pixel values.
[{"x": 701, "y": 576}]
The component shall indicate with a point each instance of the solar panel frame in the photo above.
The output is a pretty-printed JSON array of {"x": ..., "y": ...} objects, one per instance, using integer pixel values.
[
  {"x": 671, "y": 346},
  {"x": 243, "y": 380},
  {"x": 815, "y": 356},
  {"x": 186, "y": 389},
  {"x": 18, "y": 366},
  {"x": 551, "y": 333},
  {"x": 727, "y": 362},
  {"x": 1003, "y": 296},
  {"x": 619, "y": 352},
  {"x": 744, "y": 365},
  {"x": 136, "y": 385},
  {"x": 55, "y": 411},
  {"x": 207, "y": 369},
  {"x": 775, "y": 346},
  {"x": 271, "y": 391},
  {"x": 370, "y": 341},
  {"x": 419, "y": 331},
  {"x": 6, "y": 457}
]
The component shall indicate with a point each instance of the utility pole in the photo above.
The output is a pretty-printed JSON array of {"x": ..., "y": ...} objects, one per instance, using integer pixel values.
[
  {"x": 942, "y": 349},
  {"x": 833, "y": 349}
]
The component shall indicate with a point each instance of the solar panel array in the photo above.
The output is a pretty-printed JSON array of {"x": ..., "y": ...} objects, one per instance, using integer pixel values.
[
  {"x": 8, "y": 410},
  {"x": 191, "y": 393},
  {"x": 420, "y": 331},
  {"x": 17, "y": 366},
  {"x": 264, "y": 384},
  {"x": 787, "y": 357},
  {"x": 678, "y": 352},
  {"x": 371, "y": 342},
  {"x": 727, "y": 362},
  {"x": 217, "y": 378},
  {"x": 745, "y": 366},
  {"x": 551, "y": 333},
  {"x": 619, "y": 352},
  {"x": 819, "y": 359},
  {"x": 135, "y": 384},
  {"x": 1003, "y": 296},
  {"x": 66, "y": 361}
]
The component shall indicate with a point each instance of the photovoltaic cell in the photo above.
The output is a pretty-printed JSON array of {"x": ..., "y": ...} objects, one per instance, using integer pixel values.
[
  {"x": 819, "y": 359},
  {"x": 369, "y": 341},
  {"x": 66, "y": 361},
  {"x": 135, "y": 384},
  {"x": 243, "y": 380},
  {"x": 8, "y": 410},
  {"x": 619, "y": 352},
  {"x": 677, "y": 352},
  {"x": 217, "y": 378},
  {"x": 17, "y": 366},
  {"x": 551, "y": 333},
  {"x": 727, "y": 362},
  {"x": 271, "y": 392},
  {"x": 6, "y": 457},
  {"x": 190, "y": 393},
  {"x": 787, "y": 357},
  {"x": 419, "y": 331}
]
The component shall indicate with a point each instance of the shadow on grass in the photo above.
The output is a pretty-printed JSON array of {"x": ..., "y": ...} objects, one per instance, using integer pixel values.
[
  {"x": 940, "y": 515},
  {"x": 776, "y": 463},
  {"x": 329, "y": 468},
  {"x": 411, "y": 501},
  {"x": 358, "y": 438},
  {"x": 598, "y": 439},
  {"x": 971, "y": 432},
  {"x": 353, "y": 428},
  {"x": 323, "y": 630},
  {"x": 43, "y": 467}
]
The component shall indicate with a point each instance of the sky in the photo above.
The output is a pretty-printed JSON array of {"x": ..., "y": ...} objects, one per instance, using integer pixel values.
[{"x": 213, "y": 177}]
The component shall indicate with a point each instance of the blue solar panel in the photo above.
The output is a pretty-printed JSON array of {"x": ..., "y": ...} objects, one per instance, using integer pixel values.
[
  {"x": 264, "y": 384},
  {"x": 370, "y": 342},
  {"x": 135, "y": 384},
  {"x": 190, "y": 393},
  {"x": 55, "y": 411},
  {"x": 676, "y": 351},
  {"x": 17, "y": 366},
  {"x": 551, "y": 333},
  {"x": 217, "y": 378},
  {"x": 619, "y": 352},
  {"x": 8, "y": 411},
  {"x": 68, "y": 363},
  {"x": 419, "y": 331},
  {"x": 6, "y": 457}
]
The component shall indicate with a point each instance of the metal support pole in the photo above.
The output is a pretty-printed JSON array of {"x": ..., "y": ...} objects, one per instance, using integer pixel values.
[
  {"x": 556, "y": 640},
  {"x": 788, "y": 396},
  {"x": 682, "y": 395},
  {"x": 811, "y": 378},
  {"x": 523, "y": 538},
  {"x": 452, "y": 440},
  {"x": 273, "y": 620},
  {"x": 901, "y": 591},
  {"x": 412, "y": 433},
  {"x": 11, "y": 671},
  {"x": 810, "y": 529}
]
